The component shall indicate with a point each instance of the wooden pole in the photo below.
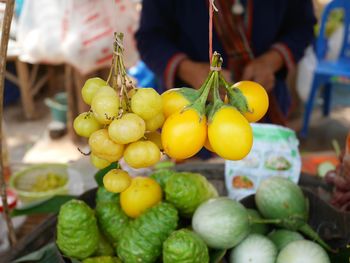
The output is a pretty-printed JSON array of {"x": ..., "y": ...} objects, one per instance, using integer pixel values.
[{"x": 5, "y": 35}]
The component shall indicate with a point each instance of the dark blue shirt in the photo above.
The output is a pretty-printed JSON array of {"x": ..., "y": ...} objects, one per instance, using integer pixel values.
[{"x": 170, "y": 28}]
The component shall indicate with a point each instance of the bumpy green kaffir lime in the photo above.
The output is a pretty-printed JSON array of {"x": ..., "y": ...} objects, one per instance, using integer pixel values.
[
  {"x": 142, "y": 240},
  {"x": 185, "y": 246},
  {"x": 77, "y": 231},
  {"x": 105, "y": 259},
  {"x": 186, "y": 191},
  {"x": 111, "y": 218},
  {"x": 103, "y": 195}
]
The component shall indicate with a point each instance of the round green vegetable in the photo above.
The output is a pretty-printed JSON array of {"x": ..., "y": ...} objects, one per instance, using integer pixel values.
[
  {"x": 185, "y": 246},
  {"x": 221, "y": 222},
  {"x": 257, "y": 228},
  {"x": 77, "y": 232},
  {"x": 112, "y": 220},
  {"x": 302, "y": 251},
  {"x": 186, "y": 191},
  {"x": 254, "y": 249},
  {"x": 283, "y": 237},
  {"x": 281, "y": 199},
  {"x": 103, "y": 259},
  {"x": 142, "y": 240}
]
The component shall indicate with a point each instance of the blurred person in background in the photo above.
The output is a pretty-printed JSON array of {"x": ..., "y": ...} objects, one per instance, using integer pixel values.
[{"x": 258, "y": 40}]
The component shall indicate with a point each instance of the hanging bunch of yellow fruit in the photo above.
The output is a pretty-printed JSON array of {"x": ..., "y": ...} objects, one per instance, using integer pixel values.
[
  {"x": 123, "y": 120},
  {"x": 223, "y": 127}
]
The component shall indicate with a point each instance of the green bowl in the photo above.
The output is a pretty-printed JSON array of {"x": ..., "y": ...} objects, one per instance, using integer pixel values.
[
  {"x": 23, "y": 182},
  {"x": 58, "y": 107}
]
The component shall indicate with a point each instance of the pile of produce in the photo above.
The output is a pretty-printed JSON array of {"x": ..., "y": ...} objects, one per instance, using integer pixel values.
[
  {"x": 190, "y": 223},
  {"x": 176, "y": 217},
  {"x": 340, "y": 180},
  {"x": 136, "y": 123},
  {"x": 117, "y": 227}
]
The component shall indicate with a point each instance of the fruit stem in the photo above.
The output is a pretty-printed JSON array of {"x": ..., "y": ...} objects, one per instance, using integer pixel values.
[
  {"x": 213, "y": 76},
  {"x": 216, "y": 62},
  {"x": 308, "y": 231},
  {"x": 202, "y": 88},
  {"x": 118, "y": 76},
  {"x": 215, "y": 68},
  {"x": 199, "y": 103},
  {"x": 224, "y": 82},
  {"x": 218, "y": 103},
  {"x": 216, "y": 93},
  {"x": 253, "y": 220}
]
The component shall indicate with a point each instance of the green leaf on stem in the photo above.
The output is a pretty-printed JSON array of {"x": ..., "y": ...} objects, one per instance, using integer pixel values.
[
  {"x": 189, "y": 93},
  {"x": 237, "y": 99},
  {"x": 218, "y": 103}
]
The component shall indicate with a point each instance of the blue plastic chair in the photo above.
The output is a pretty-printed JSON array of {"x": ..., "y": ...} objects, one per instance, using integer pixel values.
[{"x": 328, "y": 71}]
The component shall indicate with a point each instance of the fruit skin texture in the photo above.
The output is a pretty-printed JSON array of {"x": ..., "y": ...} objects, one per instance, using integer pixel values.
[
  {"x": 98, "y": 162},
  {"x": 155, "y": 123},
  {"x": 156, "y": 138},
  {"x": 129, "y": 128},
  {"x": 280, "y": 198},
  {"x": 143, "y": 193},
  {"x": 208, "y": 146},
  {"x": 111, "y": 218},
  {"x": 185, "y": 246},
  {"x": 105, "y": 108},
  {"x": 142, "y": 240},
  {"x": 142, "y": 154},
  {"x": 103, "y": 147},
  {"x": 221, "y": 222},
  {"x": 146, "y": 103},
  {"x": 254, "y": 248},
  {"x": 230, "y": 134},
  {"x": 173, "y": 101},
  {"x": 282, "y": 237},
  {"x": 162, "y": 176},
  {"x": 186, "y": 191},
  {"x": 90, "y": 88},
  {"x": 184, "y": 134},
  {"x": 116, "y": 180},
  {"x": 104, "y": 247},
  {"x": 105, "y": 91},
  {"x": 85, "y": 124},
  {"x": 102, "y": 259},
  {"x": 257, "y": 99},
  {"x": 306, "y": 251},
  {"x": 103, "y": 196},
  {"x": 77, "y": 232}
]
